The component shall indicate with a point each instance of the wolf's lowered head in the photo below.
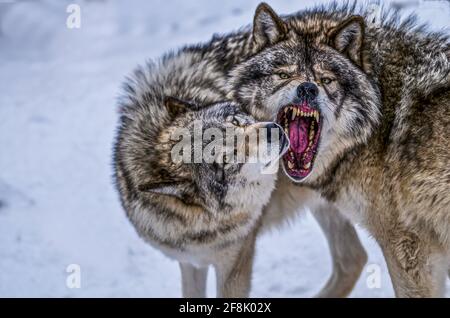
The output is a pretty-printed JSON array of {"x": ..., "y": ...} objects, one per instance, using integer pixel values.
[
  {"x": 316, "y": 84},
  {"x": 208, "y": 157}
]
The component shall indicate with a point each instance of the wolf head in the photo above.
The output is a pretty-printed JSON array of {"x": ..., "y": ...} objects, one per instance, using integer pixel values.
[
  {"x": 204, "y": 157},
  {"x": 316, "y": 84}
]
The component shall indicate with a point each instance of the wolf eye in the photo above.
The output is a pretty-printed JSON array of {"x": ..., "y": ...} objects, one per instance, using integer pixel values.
[
  {"x": 283, "y": 75},
  {"x": 236, "y": 121},
  {"x": 326, "y": 80}
]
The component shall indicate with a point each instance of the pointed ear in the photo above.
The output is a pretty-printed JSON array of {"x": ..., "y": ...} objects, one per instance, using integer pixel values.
[
  {"x": 348, "y": 38},
  {"x": 268, "y": 27},
  {"x": 176, "y": 106},
  {"x": 174, "y": 189}
]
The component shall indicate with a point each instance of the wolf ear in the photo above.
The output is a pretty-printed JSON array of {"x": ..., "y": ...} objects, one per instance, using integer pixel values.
[
  {"x": 348, "y": 38},
  {"x": 268, "y": 27},
  {"x": 174, "y": 189},
  {"x": 176, "y": 106}
]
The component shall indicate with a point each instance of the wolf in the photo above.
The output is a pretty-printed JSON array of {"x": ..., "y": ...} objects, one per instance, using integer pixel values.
[
  {"x": 199, "y": 74},
  {"x": 200, "y": 214},
  {"x": 367, "y": 110}
]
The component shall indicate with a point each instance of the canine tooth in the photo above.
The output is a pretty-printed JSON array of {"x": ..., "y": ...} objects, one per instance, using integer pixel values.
[
  {"x": 290, "y": 165},
  {"x": 316, "y": 114},
  {"x": 294, "y": 113},
  {"x": 307, "y": 166}
]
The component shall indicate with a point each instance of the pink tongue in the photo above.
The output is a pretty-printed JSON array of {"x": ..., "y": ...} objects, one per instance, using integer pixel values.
[{"x": 298, "y": 135}]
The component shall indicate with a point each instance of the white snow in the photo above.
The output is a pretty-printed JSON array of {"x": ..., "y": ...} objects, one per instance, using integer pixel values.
[{"x": 57, "y": 120}]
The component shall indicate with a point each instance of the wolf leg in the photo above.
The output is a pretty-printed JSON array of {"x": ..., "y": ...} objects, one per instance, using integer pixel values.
[
  {"x": 234, "y": 270},
  {"x": 417, "y": 267},
  {"x": 348, "y": 255},
  {"x": 193, "y": 281}
]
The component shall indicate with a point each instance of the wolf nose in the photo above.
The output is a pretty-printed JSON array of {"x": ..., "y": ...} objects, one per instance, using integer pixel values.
[{"x": 308, "y": 91}]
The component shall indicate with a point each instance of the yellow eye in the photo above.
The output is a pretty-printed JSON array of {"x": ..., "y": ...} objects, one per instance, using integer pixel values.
[
  {"x": 235, "y": 122},
  {"x": 326, "y": 80},
  {"x": 283, "y": 75}
]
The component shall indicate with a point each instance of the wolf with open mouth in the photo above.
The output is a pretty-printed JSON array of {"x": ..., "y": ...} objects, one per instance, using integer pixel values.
[
  {"x": 198, "y": 74},
  {"x": 320, "y": 97},
  {"x": 367, "y": 110}
]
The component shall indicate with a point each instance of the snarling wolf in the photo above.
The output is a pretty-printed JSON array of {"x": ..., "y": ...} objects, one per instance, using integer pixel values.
[
  {"x": 199, "y": 75},
  {"x": 367, "y": 110}
]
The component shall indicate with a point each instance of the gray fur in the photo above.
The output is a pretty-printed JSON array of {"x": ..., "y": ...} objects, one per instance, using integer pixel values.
[
  {"x": 384, "y": 153},
  {"x": 151, "y": 186}
]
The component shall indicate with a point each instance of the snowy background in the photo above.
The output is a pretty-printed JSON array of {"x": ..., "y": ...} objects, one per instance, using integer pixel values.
[{"x": 58, "y": 90}]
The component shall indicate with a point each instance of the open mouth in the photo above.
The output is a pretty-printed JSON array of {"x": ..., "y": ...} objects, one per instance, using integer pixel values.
[{"x": 302, "y": 124}]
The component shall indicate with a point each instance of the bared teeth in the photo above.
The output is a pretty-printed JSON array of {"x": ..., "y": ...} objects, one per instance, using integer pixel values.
[
  {"x": 294, "y": 113},
  {"x": 290, "y": 165},
  {"x": 298, "y": 112},
  {"x": 308, "y": 165},
  {"x": 316, "y": 115}
]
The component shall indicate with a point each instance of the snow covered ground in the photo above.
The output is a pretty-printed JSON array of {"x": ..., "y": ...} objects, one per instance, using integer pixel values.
[{"x": 57, "y": 120}]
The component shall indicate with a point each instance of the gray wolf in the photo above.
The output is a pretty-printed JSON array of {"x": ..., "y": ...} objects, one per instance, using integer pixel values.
[
  {"x": 367, "y": 110},
  {"x": 199, "y": 214},
  {"x": 198, "y": 75}
]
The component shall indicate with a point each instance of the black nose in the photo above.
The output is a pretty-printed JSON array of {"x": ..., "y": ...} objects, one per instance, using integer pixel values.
[{"x": 308, "y": 91}]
